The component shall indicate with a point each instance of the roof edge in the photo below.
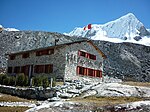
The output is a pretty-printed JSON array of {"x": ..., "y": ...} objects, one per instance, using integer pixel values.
[{"x": 96, "y": 48}]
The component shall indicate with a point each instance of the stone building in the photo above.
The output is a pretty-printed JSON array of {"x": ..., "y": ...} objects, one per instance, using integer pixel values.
[{"x": 65, "y": 61}]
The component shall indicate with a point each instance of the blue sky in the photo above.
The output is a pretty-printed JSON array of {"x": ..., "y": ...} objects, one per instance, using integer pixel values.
[{"x": 64, "y": 15}]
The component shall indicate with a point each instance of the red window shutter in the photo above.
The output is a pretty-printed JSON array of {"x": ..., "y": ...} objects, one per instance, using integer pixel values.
[
  {"x": 100, "y": 74},
  {"x": 87, "y": 55},
  {"x": 94, "y": 73},
  {"x": 50, "y": 51},
  {"x": 78, "y": 70},
  {"x": 97, "y": 73},
  {"x": 94, "y": 57},
  {"x": 85, "y": 71},
  {"x": 82, "y": 53},
  {"x": 90, "y": 72},
  {"x": 79, "y": 53},
  {"x": 82, "y": 71}
]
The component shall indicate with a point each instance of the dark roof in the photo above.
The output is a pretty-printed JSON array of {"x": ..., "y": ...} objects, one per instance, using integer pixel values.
[{"x": 61, "y": 45}]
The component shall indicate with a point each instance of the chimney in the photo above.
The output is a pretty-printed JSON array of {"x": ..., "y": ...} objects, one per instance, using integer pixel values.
[{"x": 56, "y": 40}]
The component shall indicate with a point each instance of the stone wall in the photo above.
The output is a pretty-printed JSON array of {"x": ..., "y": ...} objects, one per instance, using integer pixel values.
[
  {"x": 29, "y": 93},
  {"x": 57, "y": 59},
  {"x": 73, "y": 60}
]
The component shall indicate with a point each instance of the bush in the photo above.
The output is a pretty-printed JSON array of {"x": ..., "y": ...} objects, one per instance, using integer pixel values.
[
  {"x": 45, "y": 82},
  {"x": 37, "y": 81},
  {"x": 26, "y": 80},
  {"x": 12, "y": 81},
  {"x": 2, "y": 77},
  {"x": 40, "y": 81},
  {"x": 6, "y": 81},
  {"x": 21, "y": 80}
]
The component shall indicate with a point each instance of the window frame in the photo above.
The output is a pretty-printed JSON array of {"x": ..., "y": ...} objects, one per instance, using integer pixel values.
[
  {"x": 25, "y": 55},
  {"x": 10, "y": 70},
  {"x": 45, "y": 52},
  {"x": 89, "y": 72},
  {"x": 12, "y": 57},
  {"x": 17, "y": 69},
  {"x": 87, "y": 55},
  {"x": 48, "y": 68}
]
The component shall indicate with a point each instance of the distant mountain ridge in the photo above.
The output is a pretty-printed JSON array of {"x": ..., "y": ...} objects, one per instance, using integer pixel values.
[
  {"x": 8, "y": 29},
  {"x": 126, "y": 28}
]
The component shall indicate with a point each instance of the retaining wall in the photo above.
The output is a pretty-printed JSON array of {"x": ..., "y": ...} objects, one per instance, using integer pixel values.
[{"x": 29, "y": 93}]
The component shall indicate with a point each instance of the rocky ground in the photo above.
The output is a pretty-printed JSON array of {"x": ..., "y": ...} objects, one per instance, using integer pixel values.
[
  {"x": 87, "y": 87},
  {"x": 140, "y": 106},
  {"x": 89, "y": 95}
]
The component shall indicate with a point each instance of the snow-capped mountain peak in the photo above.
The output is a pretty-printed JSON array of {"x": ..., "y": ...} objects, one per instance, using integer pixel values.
[
  {"x": 126, "y": 28},
  {"x": 8, "y": 29},
  {"x": 1, "y": 26}
]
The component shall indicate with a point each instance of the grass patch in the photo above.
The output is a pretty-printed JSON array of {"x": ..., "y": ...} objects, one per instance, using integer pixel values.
[
  {"x": 103, "y": 101},
  {"x": 9, "y": 98},
  {"x": 59, "y": 83},
  {"x": 144, "y": 84},
  {"x": 13, "y": 109}
]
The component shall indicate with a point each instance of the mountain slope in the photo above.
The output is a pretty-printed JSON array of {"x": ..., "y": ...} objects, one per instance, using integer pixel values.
[
  {"x": 127, "y": 61},
  {"x": 126, "y": 28}
]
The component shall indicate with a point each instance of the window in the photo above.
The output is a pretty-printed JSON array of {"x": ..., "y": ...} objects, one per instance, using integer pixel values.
[
  {"x": 48, "y": 68},
  {"x": 10, "y": 70},
  {"x": 87, "y": 55},
  {"x": 45, "y": 52},
  {"x": 17, "y": 69},
  {"x": 91, "y": 56},
  {"x": 12, "y": 57},
  {"x": 89, "y": 72},
  {"x": 98, "y": 73},
  {"x": 23, "y": 69},
  {"x": 80, "y": 70},
  {"x": 39, "y": 68},
  {"x": 43, "y": 68},
  {"x": 25, "y": 55},
  {"x": 51, "y": 51},
  {"x": 81, "y": 53}
]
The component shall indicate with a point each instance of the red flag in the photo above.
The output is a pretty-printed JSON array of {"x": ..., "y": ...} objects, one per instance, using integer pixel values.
[{"x": 89, "y": 26}]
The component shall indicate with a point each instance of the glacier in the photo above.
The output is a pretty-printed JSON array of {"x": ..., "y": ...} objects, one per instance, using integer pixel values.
[{"x": 124, "y": 29}]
